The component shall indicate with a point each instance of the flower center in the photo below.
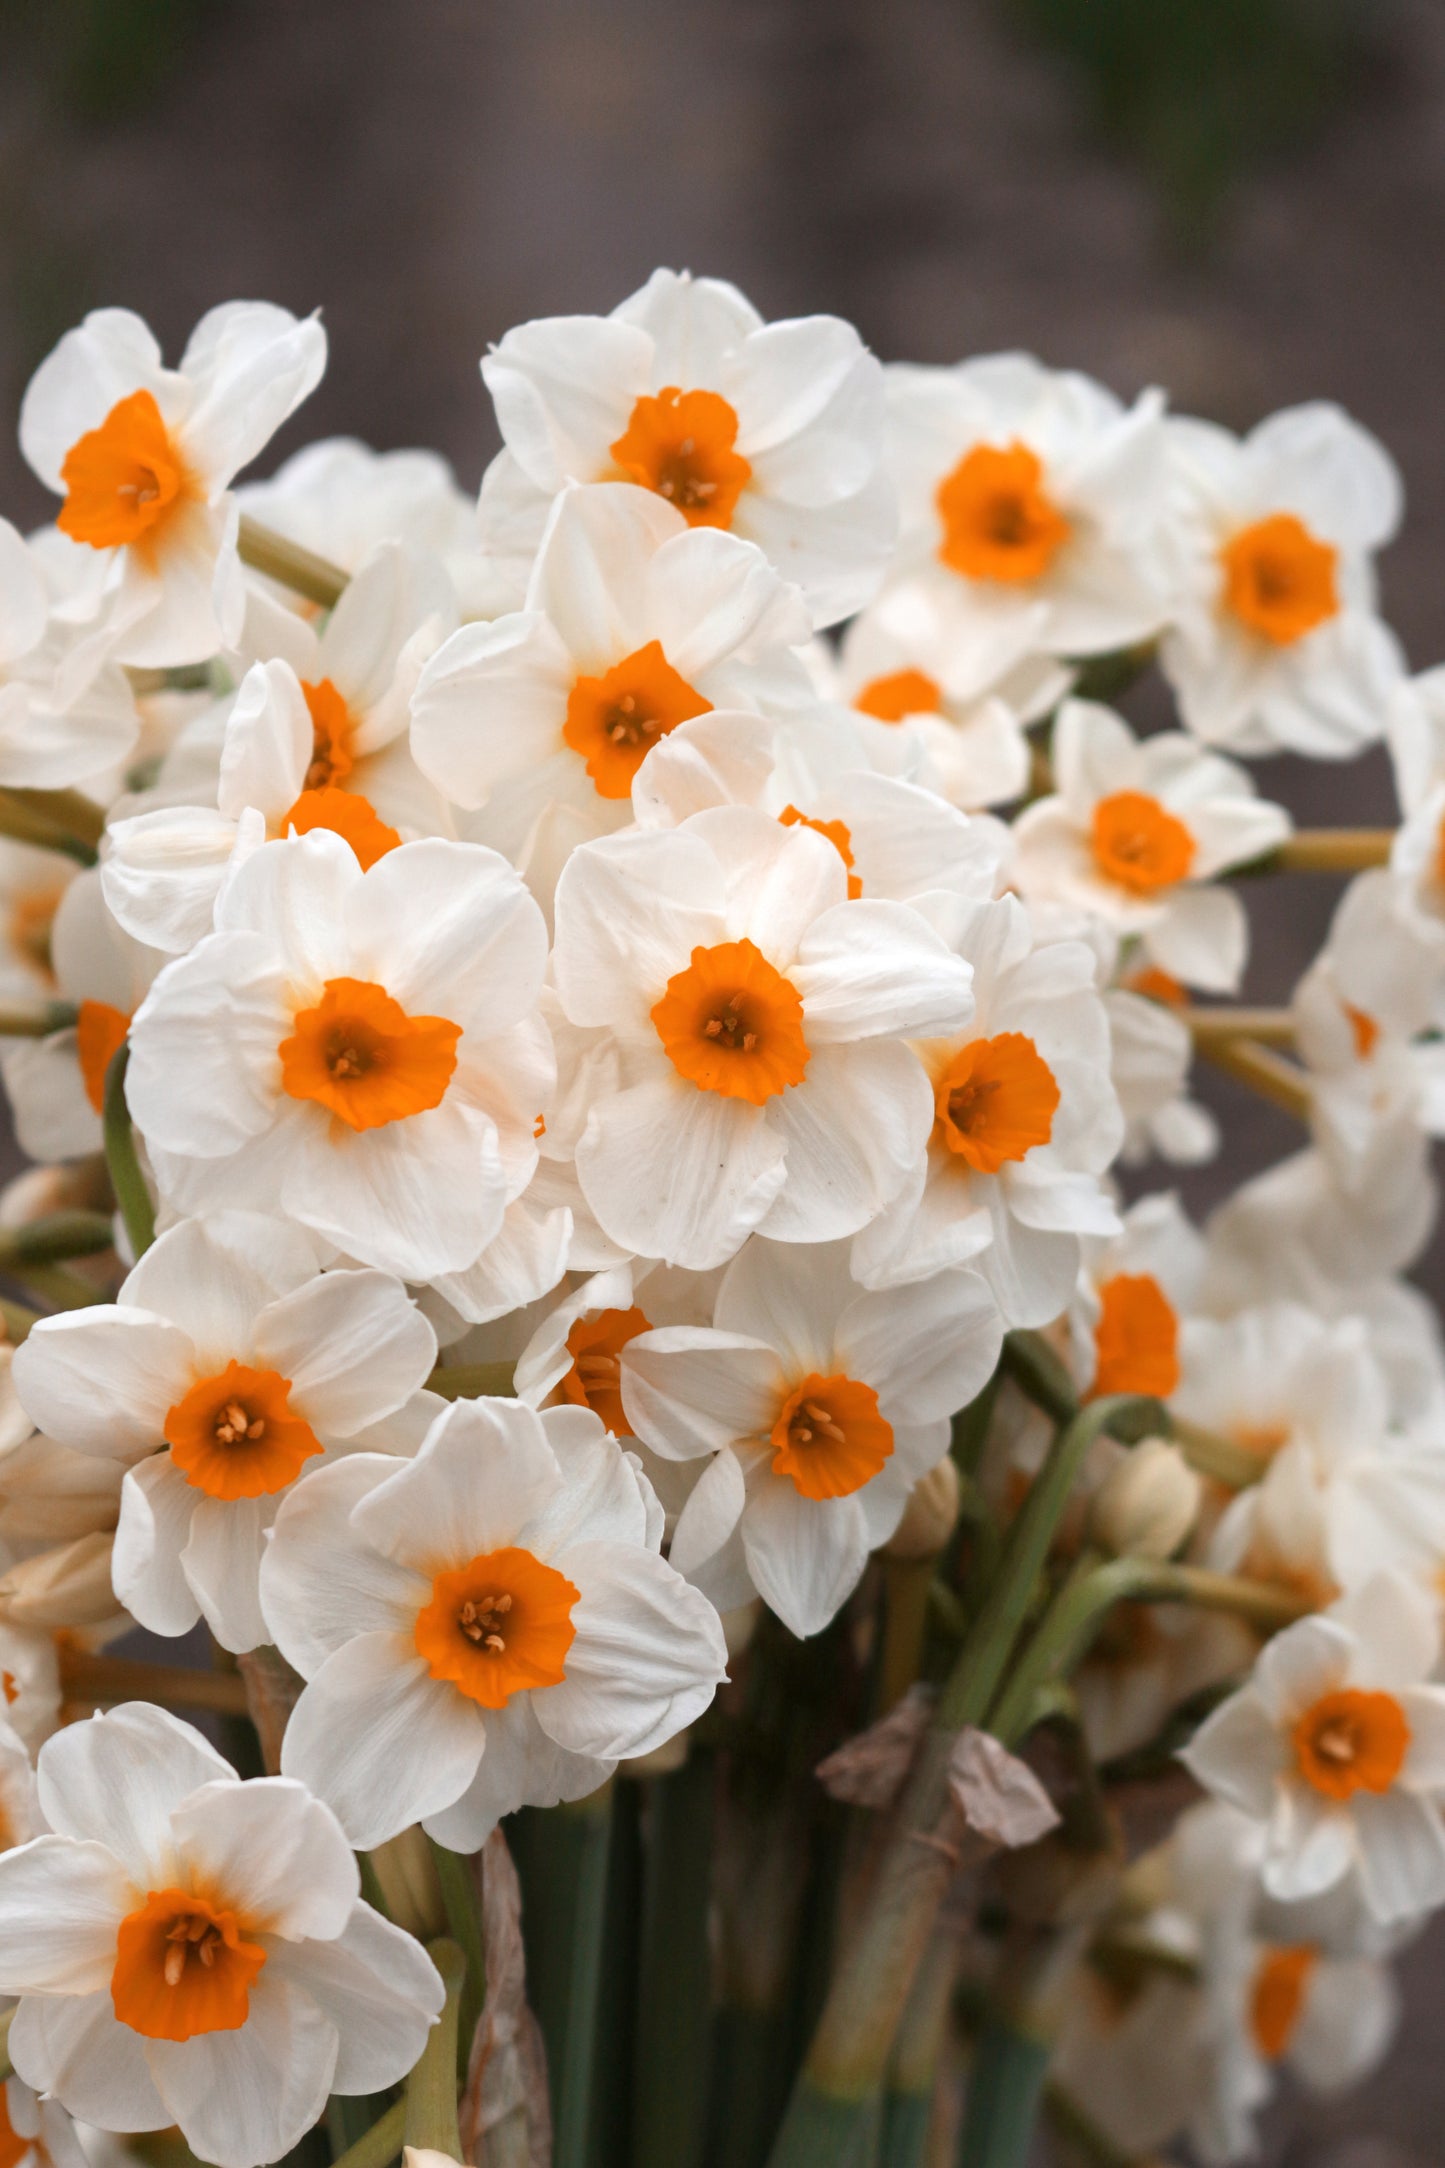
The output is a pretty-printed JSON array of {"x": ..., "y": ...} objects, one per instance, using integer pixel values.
[
  {"x": 498, "y": 1626},
  {"x": 99, "y": 1036},
  {"x": 1277, "y": 1996},
  {"x": 124, "y": 480},
  {"x": 358, "y": 1053},
  {"x": 682, "y": 444},
  {"x": 995, "y": 1101},
  {"x": 233, "y": 1435},
  {"x": 1363, "y": 1030},
  {"x": 348, "y": 815},
  {"x": 999, "y": 523},
  {"x": 332, "y": 725},
  {"x": 837, "y": 833},
  {"x": 829, "y": 1437},
  {"x": 731, "y": 1023},
  {"x": 900, "y": 693},
  {"x": 1351, "y": 1741},
  {"x": 182, "y": 1967},
  {"x": 614, "y": 720},
  {"x": 595, "y": 1378},
  {"x": 1136, "y": 1340},
  {"x": 1279, "y": 579},
  {"x": 1138, "y": 844}
]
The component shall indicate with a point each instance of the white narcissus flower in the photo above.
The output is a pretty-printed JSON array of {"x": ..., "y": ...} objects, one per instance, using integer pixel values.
[
  {"x": 226, "y": 1369},
  {"x": 757, "y": 1018},
  {"x": 144, "y": 456},
  {"x": 773, "y": 432},
  {"x": 192, "y": 1950},
  {"x": 1274, "y": 644},
  {"x": 896, "y": 839},
  {"x": 1337, "y": 1746},
  {"x": 1134, "y": 833},
  {"x": 1133, "y": 1292},
  {"x": 817, "y": 1406},
  {"x": 315, "y": 740},
  {"x": 486, "y": 1626},
  {"x": 908, "y": 665},
  {"x": 56, "y": 1084},
  {"x": 539, "y": 721},
  {"x": 1025, "y": 1121},
  {"x": 1031, "y": 500},
  {"x": 1151, "y": 1050},
  {"x": 362, "y": 1049},
  {"x": 341, "y": 500},
  {"x": 52, "y": 734}
]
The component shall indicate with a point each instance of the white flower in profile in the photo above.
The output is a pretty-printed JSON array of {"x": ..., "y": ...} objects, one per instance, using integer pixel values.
[
  {"x": 1274, "y": 643},
  {"x": 342, "y": 500},
  {"x": 538, "y": 722},
  {"x": 145, "y": 455},
  {"x": 1025, "y": 1122},
  {"x": 1415, "y": 736},
  {"x": 227, "y": 1367},
  {"x": 1135, "y": 1289},
  {"x": 317, "y": 739},
  {"x": 1031, "y": 500},
  {"x": 817, "y": 1407},
  {"x": 756, "y": 1016},
  {"x": 898, "y": 840},
  {"x": 361, "y": 1048},
  {"x": 773, "y": 432},
  {"x": 486, "y": 1626},
  {"x": 907, "y": 664},
  {"x": 1337, "y": 1746},
  {"x": 56, "y": 1084},
  {"x": 192, "y": 1950},
  {"x": 1134, "y": 833},
  {"x": 53, "y": 733},
  {"x": 1151, "y": 1050}
]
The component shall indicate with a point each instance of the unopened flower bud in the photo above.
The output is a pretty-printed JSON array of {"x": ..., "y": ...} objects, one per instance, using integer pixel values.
[
  {"x": 1146, "y": 1505},
  {"x": 67, "y": 1586},
  {"x": 929, "y": 1516}
]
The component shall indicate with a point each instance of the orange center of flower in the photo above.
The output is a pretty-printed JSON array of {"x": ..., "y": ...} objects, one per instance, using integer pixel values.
[
  {"x": 595, "y": 1378},
  {"x": 829, "y": 1437},
  {"x": 99, "y": 1036},
  {"x": 234, "y": 1435},
  {"x": 837, "y": 833},
  {"x": 1351, "y": 1741},
  {"x": 125, "y": 480},
  {"x": 13, "y": 2147},
  {"x": 348, "y": 815},
  {"x": 1138, "y": 844},
  {"x": 682, "y": 444},
  {"x": 182, "y": 1967},
  {"x": 1277, "y": 1996},
  {"x": 1364, "y": 1031},
  {"x": 731, "y": 1023},
  {"x": 999, "y": 523},
  {"x": 615, "y": 720},
  {"x": 358, "y": 1053},
  {"x": 995, "y": 1101},
  {"x": 1157, "y": 985},
  {"x": 332, "y": 725},
  {"x": 1136, "y": 1338},
  {"x": 1279, "y": 579},
  {"x": 900, "y": 693},
  {"x": 498, "y": 1626}
]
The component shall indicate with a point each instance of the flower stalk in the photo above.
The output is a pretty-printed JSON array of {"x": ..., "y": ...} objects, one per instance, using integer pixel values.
[
  {"x": 290, "y": 565},
  {"x": 132, "y": 1196},
  {"x": 430, "y": 2117}
]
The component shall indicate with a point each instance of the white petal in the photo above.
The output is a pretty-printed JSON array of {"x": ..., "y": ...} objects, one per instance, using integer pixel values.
[
  {"x": 60, "y": 1906},
  {"x": 322, "y": 1584},
  {"x": 647, "y": 1658},
  {"x": 76, "y": 2048},
  {"x": 274, "y": 1853},
  {"x": 927, "y": 1349},
  {"x": 101, "y": 1380},
  {"x": 806, "y": 1555},
  {"x": 688, "y": 1390},
  {"x": 118, "y": 1778},
  {"x": 1238, "y": 1753},
  {"x": 1402, "y": 1853},
  {"x": 675, "y": 1172},
  {"x": 867, "y": 968},
  {"x": 353, "y": 1345},
  {"x": 854, "y": 1129},
  {"x": 222, "y": 1564},
  {"x": 246, "y": 2096},
  {"x": 521, "y": 1767},
  {"x": 380, "y": 1990},
  {"x": 157, "y": 1505},
  {"x": 484, "y": 1471}
]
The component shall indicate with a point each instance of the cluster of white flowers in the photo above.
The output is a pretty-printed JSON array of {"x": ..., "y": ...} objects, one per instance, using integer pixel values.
[{"x": 618, "y": 999}]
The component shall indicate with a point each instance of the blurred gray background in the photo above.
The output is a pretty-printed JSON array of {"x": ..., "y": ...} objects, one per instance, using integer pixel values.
[{"x": 1242, "y": 200}]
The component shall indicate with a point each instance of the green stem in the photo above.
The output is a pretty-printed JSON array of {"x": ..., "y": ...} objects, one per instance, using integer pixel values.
[
  {"x": 28, "y": 824},
  {"x": 17, "y": 1319},
  {"x": 1004, "y": 2089},
  {"x": 674, "y": 1989},
  {"x": 379, "y": 2145},
  {"x": 430, "y": 2117},
  {"x": 1043, "y": 1377},
  {"x": 906, "y": 1585},
  {"x": 575, "y": 2078},
  {"x": 71, "y": 810},
  {"x": 471, "y": 1381},
  {"x": 6, "y": 2066},
  {"x": 129, "y": 1184},
  {"x": 61, "y": 1289},
  {"x": 59, "y": 1234},
  {"x": 464, "y": 1924},
  {"x": 289, "y": 564},
  {"x": 37, "y": 1023}
]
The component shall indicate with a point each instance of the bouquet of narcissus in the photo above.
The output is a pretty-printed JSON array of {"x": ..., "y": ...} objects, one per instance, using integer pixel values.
[{"x": 603, "y": 1069}]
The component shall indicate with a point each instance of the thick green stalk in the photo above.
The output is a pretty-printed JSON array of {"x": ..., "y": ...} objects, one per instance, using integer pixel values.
[
  {"x": 471, "y": 1381},
  {"x": 1004, "y": 2088},
  {"x": 562, "y": 1858},
  {"x": 670, "y": 2080},
  {"x": 37, "y": 1023},
  {"x": 908, "y": 2101},
  {"x": 379, "y": 2145},
  {"x": 29, "y": 823},
  {"x": 464, "y": 1925},
  {"x": 6, "y": 2066},
  {"x": 57, "y": 1235},
  {"x": 289, "y": 564},
  {"x": 70, "y": 810},
  {"x": 431, "y": 2091},
  {"x": 63, "y": 1290},
  {"x": 1043, "y": 1377},
  {"x": 129, "y": 1184}
]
